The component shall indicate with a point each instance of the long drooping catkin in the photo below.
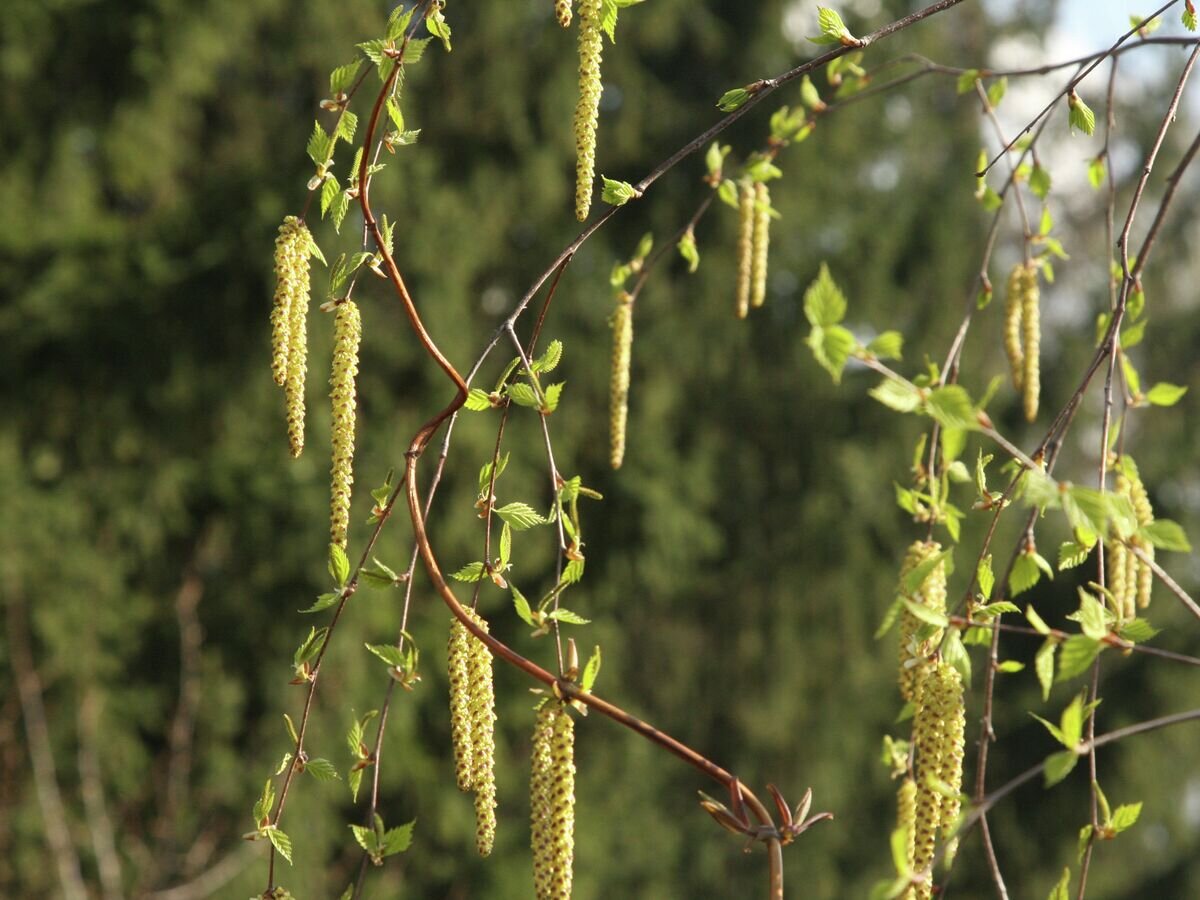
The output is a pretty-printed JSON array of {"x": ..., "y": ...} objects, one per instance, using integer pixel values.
[
  {"x": 906, "y": 816},
  {"x": 1013, "y": 304},
  {"x": 587, "y": 110},
  {"x": 347, "y": 333},
  {"x": 950, "y": 770},
  {"x": 290, "y": 257},
  {"x": 622, "y": 357},
  {"x": 289, "y": 318},
  {"x": 745, "y": 247},
  {"x": 1117, "y": 567},
  {"x": 938, "y": 738},
  {"x": 930, "y": 593},
  {"x": 483, "y": 740},
  {"x": 458, "y": 653},
  {"x": 1145, "y": 516},
  {"x": 562, "y": 12},
  {"x": 1031, "y": 329},
  {"x": 552, "y": 802},
  {"x": 762, "y": 244}
]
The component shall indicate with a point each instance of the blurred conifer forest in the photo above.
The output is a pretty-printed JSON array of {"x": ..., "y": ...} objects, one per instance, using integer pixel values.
[{"x": 157, "y": 541}]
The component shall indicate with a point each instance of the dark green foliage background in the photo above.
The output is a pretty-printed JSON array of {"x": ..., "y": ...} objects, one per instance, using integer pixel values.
[{"x": 742, "y": 558}]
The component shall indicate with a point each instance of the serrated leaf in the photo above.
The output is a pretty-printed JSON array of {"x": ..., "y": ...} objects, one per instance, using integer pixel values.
[
  {"x": 323, "y": 602},
  {"x": 954, "y": 653},
  {"x": 591, "y": 670},
  {"x": 319, "y": 145},
  {"x": 735, "y": 98},
  {"x": 478, "y": 400},
  {"x": 321, "y": 769},
  {"x": 1044, "y": 666},
  {"x": 1097, "y": 172},
  {"x": 925, "y": 614},
  {"x": 951, "y": 406},
  {"x": 365, "y": 837},
  {"x": 689, "y": 252},
  {"x": 1009, "y": 666},
  {"x": 339, "y": 565},
  {"x": 616, "y": 193},
  {"x": 995, "y": 93},
  {"x": 522, "y": 606},
  {"x": 994, "y": 609},
  {"x": 1025, "y": 574},
  {"x": 262, "y": 807},
  {"x": 888, "y": 345},
  {"x": 281, "y": 842},
  {"x": 1072, "y": 554},
  {"x": 966, "y": 81},
  {"x": 1125, "y": 815},
  {"x": 985, "y": 576},
  {"x": 1078, "y": 653},
  {"x": 553, "y": 394},
  {"x": 398, "y": 839},
  {"x": 470, "y": 572},
  {"x": 1080, "y": 114},
  {"x": 902, "y": 396},
  {"x": 343, "y": 76},
  {"x": 389, "y": 653},
  {"x": 824, "y": 302},
  {"x": 570, "y": 618},
  {"x": 550, "y": 359},
  {"x": 831, "y": 347},
  {"x": 1055, "y": 731},
  {"x": 1138, "y": 631},
  {"x": 522, "y": 394},
  {"x": 520, "y": 516}
]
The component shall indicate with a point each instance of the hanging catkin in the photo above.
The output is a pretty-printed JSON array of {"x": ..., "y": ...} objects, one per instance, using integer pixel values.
[
  {"x": 552, "y": 802},
  {"x": 562, "y": 12},
  {"x": 1031, "y": 329},
  {"x": 347, "y": 333},
  {"x": 289, "y": 316},
  {"x": 587, "y": 110},
  {"x": 745, "y": 247},
  {"x": 622, "y": 356},
  {"x": 1145, "y": 516},
  {"x": 930, "y": 593},
  {"x": 482, "y": 706},
  {"x": 929, "y": 738},
  {"x": 457, "y": 654},
  {"x": 1012, "y": 325},
  {"x": 762, "y": 243},
  {"x": 540, "y": 805},
  {"x": 906, "y": 816}
]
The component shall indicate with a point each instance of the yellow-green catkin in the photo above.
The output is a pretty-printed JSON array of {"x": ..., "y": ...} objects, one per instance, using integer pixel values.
[
  {"x": 1145, "y": 515},
  {"x": 562, "y": 12},
  {"x": 457, "y": 654},
  {"x": 1012, "y": 326},
  {"x": 347, "y": 333},
  {"x": 745, "y": 247},
  {"x": 289, "y": 318},
  {"x": 939, "y": 697},
  {"x": 552, "y": 801},
  {"x": 1031, "y": 329},
  {"x": 1115, "y": 565},
  {"x": 622, "y": 357},
  {"x": 482, "y": 703},
  {"x": 762, "y": 244},
  {"x": 587, "y": 110},
  {"x": 906, "y": 816},
  {"x": 931, "y": 593},
  {"x": 954, "y": 716},
  {"x": 289, "y": 259}
]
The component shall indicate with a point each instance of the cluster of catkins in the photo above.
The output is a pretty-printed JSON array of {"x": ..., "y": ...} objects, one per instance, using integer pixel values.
[
  {"x": 1023, "y": 334},
  {"x": 754, "y": 240},
  {"x": 289, "y": 314},
  {"x": 552, "y": 801},
  {"x": 347, "y": 332},
  {"x": 622, "y": 355},
  {"x": 472, "y": 725},
  {"x": 928, "y": 799},
  {"x": 1129, "y": 579}
]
